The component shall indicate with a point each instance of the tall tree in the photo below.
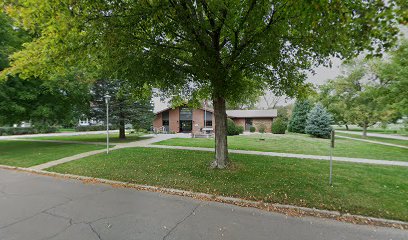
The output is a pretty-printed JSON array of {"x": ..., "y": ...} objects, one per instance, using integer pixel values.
[
  {"x": 221, "y": 49},
  {"x": 360, "y": 96},
  {"x": 393, "y": 75},
  {"x": 125, "y": 108},
  {"x": 298, "y": 119}
]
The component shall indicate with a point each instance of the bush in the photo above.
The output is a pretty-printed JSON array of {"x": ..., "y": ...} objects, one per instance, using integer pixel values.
[
  {"x": 26, "y": 130},
  {"x": 262, "y": 128},
  {"x": 240, "y": 129},
  {"x": 318, "y": 122},
  {"x": 252, "y": 129},
  {"x": 92, "y": 128},
  {"x": 279, "y": 126},
  {"x": 232, "y": 129}
]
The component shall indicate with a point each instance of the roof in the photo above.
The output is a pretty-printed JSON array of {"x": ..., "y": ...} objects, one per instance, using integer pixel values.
[
  {"x": 252, "y": 113},
  {"x": 168, "y": 108}
]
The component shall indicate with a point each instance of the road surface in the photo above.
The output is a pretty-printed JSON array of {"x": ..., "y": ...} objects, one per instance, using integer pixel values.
[{"x": 40, "y": 207}]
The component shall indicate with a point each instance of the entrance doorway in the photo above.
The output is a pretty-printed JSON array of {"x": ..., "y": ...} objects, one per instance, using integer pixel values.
[{"x": 186, "y": 120}]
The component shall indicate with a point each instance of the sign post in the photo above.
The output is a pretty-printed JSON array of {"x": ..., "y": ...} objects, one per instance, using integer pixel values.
[{"x": 332, "y": 135}]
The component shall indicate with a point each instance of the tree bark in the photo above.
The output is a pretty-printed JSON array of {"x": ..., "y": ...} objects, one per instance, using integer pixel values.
[
  {"x": 347, "y": 128},
  {"x": 221, "y": 146},
  {"x": 122, "y": 134},
  {"x": 364, "y": 130}
]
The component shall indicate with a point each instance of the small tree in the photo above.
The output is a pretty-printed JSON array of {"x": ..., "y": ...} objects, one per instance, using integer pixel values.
[
  {"x": 318, "y": 122},
  {"x": 298, "y": 120},
  {"x": 279, "y": 126}
]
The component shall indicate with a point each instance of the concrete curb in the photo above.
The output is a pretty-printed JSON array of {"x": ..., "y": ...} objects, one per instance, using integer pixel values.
[{"x": 288, "y": 210}]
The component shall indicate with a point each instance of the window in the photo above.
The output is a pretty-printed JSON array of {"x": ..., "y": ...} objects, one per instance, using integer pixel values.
[
  {"x": 186, "y": 114},
  {"x": 208, "y": 119},
  {"x": 165, "y": 118}
]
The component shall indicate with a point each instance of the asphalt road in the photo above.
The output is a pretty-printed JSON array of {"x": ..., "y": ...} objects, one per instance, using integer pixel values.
[{"x": 40, "y": 207}]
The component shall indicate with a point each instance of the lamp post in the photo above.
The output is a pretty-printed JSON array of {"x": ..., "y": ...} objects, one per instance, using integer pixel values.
[{"x": 107, "y": 98}]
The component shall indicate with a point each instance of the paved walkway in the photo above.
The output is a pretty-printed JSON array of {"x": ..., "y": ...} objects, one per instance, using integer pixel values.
[
  {"x": 375, "y": 142},
  {"x": 55, "y": 134},
  {"x": 291, "y": 155},
  {"x": 39, "y": 207},
  {"x": 391, "y": 136},
  {"x": 141, "y": 143}
]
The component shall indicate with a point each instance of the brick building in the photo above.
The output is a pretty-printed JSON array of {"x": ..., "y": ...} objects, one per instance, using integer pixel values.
[{"x": 183, "y": 119}]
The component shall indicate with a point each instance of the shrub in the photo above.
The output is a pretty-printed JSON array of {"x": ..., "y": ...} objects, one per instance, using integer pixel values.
[
  {"x": 279, "y": 126},
  {"x": 232, "y": 129},
  {"x": 318, "y": 122},
  {"x": 262, "y": 128},
  {"x": 26, "y": 130},
  {"x": 240, "y": 129},
  {"x": 298, "y": 120},
  {"x": 252, "y": 129},
  {"x": 92, "y": 128}
]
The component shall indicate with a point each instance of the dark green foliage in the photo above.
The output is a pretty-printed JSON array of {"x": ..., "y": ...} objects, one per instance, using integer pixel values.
[
  {"x": 252, "y": 129},
  {"x": 318, "y": 122},
  {"x": 279, "y": 126},
  {"x": 26, "y": 130},
  {"x": 44, "y": 103},
  {"x": 92, "y": 128},
  {"x": 233, "y": 129},
  {"x": 298, "y": 120},
  {"x": 125, "y": 107}
]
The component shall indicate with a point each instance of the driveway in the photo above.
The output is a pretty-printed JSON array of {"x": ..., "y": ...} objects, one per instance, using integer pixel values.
[{"x": 41, "y": 207}]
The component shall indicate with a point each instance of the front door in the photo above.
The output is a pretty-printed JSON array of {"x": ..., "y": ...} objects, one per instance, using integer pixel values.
[
  {"x": 186, "y": 119},
  {"x": 186, "y": 125},
  {"x": 248, "y": 124}
]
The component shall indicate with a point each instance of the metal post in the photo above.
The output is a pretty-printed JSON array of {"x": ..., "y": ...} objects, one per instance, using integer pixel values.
[
  {"x": 107, "y": 97},
  {"x": 107, "y": 127},
  {"x": 332, "y": 136}
]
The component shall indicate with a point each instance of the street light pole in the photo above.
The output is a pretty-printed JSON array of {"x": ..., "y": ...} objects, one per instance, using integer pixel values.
[{"x": 107, "y": 97}]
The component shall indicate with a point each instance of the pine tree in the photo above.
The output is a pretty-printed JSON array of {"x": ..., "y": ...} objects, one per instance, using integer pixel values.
[
  {"x": 124, "y": 108},
  {"x": 298, "y": 120},
  {"x": 318, "y": 122}
]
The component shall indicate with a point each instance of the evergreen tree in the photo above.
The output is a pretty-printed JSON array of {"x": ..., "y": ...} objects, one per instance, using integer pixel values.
[
  {"x": 318, "y": 122},
  {"x": 298, "y": 120},
  {"x": 124, "y": 107}
]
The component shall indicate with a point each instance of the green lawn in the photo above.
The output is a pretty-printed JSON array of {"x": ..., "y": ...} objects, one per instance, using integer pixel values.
[
  {"x": 376, "y": 191},
  {"x": 113, "y": 138},
  {"x": 27, "y": 154},
  {"x": 374, "y": 130},
  {"x": 301, "y": 144},
  {"x": 378, "y": 139}
]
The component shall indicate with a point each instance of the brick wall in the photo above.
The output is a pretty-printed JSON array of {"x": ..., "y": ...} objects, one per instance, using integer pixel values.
[
  {"x": 157, "y": 122},
  {"x": 239, "y": 122},
  {"x": 174, "y": 117},
  {"x": 198, "y": 120},
  {"x": 257, "y": 122}
]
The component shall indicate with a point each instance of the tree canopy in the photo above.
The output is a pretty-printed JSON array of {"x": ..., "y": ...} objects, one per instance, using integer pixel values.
[{"x": 201, "y": 49}]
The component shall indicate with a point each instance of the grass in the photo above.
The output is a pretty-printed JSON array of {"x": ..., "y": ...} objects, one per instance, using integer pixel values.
[
  {"x": 113, "y": 138},
  {"x": 27, "y": 154},
  {"x": 300, "y": 144},
  {"x": 369, "y": 190},
  {"x": 378, "y": 139},
  {"x": 66, "y": 130},
  {"x": 399, "y": 131}
]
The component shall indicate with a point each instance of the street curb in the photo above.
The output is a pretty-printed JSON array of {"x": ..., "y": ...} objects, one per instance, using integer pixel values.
[{"x": 289, "y": 210}]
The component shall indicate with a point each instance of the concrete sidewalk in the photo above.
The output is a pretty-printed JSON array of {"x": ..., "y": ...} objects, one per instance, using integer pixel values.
[
  {"x": 55, "y": 134},
  {"x": 291, "y": 155},
  {"x": 39, "y": 207}
]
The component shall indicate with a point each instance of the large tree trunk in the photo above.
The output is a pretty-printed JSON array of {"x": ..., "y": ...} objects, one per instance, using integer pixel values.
[
  {"x": 221, "y": 146},
  {"x": 122, "y": 134}
]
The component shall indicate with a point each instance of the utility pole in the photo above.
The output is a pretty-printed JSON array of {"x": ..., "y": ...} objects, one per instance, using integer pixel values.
[{"x": 107, "y": 98}]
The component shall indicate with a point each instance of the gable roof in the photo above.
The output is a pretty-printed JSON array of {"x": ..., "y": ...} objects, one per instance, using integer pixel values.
[{"x": 252, "y": 113}]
